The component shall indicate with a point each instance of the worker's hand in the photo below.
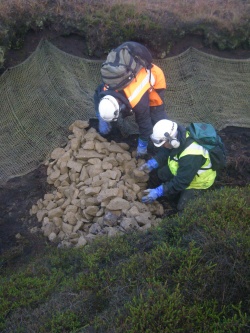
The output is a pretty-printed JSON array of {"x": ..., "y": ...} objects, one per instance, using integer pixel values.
[
  {"x": 149, "y": 165},
  {"x": 141, "y": 152},
  {"x": 104, "y": 127},
  {"x": 152, "y": 194},
  {"x": 141, "y": 148}
]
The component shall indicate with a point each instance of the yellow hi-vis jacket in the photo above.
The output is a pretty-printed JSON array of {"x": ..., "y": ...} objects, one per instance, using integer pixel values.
[
  {"x": 205, "y": 176},
  {"x": 146, "y": 80}
]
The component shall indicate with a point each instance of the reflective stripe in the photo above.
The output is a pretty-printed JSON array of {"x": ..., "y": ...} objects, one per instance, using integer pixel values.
[
  {"x": 144, "y": 81},
  {"x": 205, "y": 176},
  {"x": 197, "y": 148},
  {"x": 139, "y": 88},
  {"x": 209, "y": 166},
  {"x": 200, "y": 171},
  {"x": 152, "y": 79},
  {"x": 160, "y": 80}
]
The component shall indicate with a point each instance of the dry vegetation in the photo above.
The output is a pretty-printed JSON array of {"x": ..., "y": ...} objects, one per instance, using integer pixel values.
[
  {"x": 224, "y": 23},
  {"x": 226, "y": 13}
]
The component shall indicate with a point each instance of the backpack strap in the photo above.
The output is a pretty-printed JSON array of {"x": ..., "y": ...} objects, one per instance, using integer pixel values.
[{"x": 117, "y": 95}]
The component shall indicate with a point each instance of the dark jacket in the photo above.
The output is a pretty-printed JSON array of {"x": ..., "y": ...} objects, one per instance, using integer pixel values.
[{"x": 141, "y": 110}]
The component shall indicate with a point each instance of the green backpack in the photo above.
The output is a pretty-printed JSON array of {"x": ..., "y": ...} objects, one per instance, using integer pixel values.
[
  {"x": 123, "y": 63},
  {"x": 206, "y": 136}
]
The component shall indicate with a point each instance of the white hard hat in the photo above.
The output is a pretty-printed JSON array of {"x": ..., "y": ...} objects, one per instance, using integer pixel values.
[
  {"x": 109, "y": 108},
  {"x": 165, "y": 131}
]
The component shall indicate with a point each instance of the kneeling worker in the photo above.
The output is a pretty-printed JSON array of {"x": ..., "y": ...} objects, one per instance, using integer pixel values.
[{"x": 183, "y": 166}]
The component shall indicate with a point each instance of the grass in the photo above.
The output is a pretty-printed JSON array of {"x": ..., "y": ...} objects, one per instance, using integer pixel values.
[{"x": 190, "y": 274}]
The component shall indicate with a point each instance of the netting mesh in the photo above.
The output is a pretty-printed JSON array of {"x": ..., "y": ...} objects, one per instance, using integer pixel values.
[{"x": 50, "y": 90}]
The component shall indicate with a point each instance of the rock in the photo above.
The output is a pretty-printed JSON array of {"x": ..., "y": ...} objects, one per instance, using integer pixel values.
[
  {"x": 65, "y": 157},
  {"x": 67, "y": 228},
  {"x": 118, "y": 204},
  {"x": 87, "y": 154},
  {"x": 51, "y": 205},
  {"x": 89, "y": 145},
  {"x": 57, "y": 153},
  {"x": 110, "y": 219},
  {"x": 129, "y": 223},
  {"x": 54, "y": 175},
  {"x": 94, "y": 170},
  {"x": 92, "y": 210},
  {"x": 90, "y": 237},
  {"x": 111, "y": 160},
  {"x": 56, "y": 212},
  {"x": 48, "y": 228},
  {"x": 123, "y": 145},
  {"x": 84, "y": 174},
  {"x": 107, "y": 194},
  {"x": 81, "y": 242},
  {"x": 91, "y": 201},
  {"x": 78, "y": 132},
  {"x": 143, "y": 218},
  {"x": 114, "y": 148},
  {"x": 77, "y": 167},
  {"x": 49, "y": 196},
  {"x": 132, "y": 212},
  {"x": 75, "y": 143},
  {"x": 33, "y": 210},
  {"x": 140, "y": 175},
  {"x": 52, "y": 237},
  {"x": 112, "y": 232},
  {"x": 95, "y": 229},
  {"x": 78, "y": 226},
  {"x": 57, "y": 221},
  {"x": 92, "y": 190},
  {"x": 79, "y": 124},
  {"x": 70, "y": 217},
  {"x": 41, "y": 214},
  {"x": 97, "y": 191}
]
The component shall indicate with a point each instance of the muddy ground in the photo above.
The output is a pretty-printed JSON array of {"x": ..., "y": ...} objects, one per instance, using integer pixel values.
[{"x": 19, "y": 194}]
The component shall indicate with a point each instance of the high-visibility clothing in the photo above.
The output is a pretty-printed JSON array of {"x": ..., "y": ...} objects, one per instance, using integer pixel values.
[
  {"x": 160, "y": 83},
  {"x": 144, "y": 95},
  {"x": 146, "y": 80},
  {"x": 205, "y": 176}
]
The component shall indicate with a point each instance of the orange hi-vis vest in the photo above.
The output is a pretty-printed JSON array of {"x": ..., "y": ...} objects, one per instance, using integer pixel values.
[{"x": 144, "y": 81}]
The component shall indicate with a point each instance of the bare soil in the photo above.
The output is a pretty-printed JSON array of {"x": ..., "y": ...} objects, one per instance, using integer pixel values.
[{"x": 19, "y": 194}]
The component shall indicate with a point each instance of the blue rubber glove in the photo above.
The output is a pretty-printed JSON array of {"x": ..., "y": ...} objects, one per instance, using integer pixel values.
[
  {"x": 104, "y": 127},
  {"x": 149, "y": 165},
  {"x": 141, "y": 148},
  {"x": 153, "y": 194}
]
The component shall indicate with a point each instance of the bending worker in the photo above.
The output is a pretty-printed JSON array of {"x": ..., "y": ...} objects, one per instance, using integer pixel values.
[
  {"x": 183, "y": 166},
  {"x": 143, "y": 97}
]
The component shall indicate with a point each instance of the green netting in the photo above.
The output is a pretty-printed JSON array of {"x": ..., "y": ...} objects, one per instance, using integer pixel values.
[{"x": 50, "y": 90}]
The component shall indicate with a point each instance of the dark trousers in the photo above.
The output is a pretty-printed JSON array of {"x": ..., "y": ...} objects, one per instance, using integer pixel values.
[
  {"x": 158, "y": 113},
  {"x": 163, "y": 175}
]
